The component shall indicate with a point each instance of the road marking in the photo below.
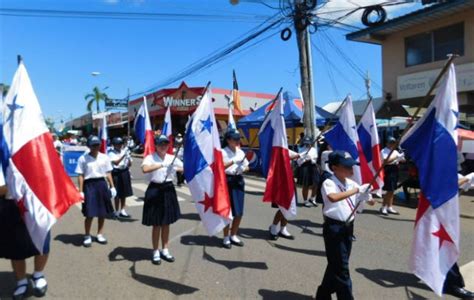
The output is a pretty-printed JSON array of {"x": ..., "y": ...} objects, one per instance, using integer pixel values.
[{"x": 467, "y": 271}]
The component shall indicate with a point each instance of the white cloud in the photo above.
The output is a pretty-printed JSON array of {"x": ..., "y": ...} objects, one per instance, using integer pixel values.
[{"x": 133, "y": 2}]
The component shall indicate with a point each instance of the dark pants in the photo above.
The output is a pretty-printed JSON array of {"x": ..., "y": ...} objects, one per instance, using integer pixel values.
[
  {"x": 453, "y": 279},
  {"x": 338, "y": 245},
  {"x": 180, "y": 178}
]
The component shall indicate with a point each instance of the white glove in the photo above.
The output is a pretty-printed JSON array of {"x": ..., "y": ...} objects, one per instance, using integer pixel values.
[
  {"x": 169, "y": 170},
  {"x": 82, "y": 195},
  {"x": 113, "y": 192},
  {"x": 239, "y": 170},
  {"x": 467, "y": 186},
  {"x": 364, "y": 187},
  {"x": 165, "y": 165}
]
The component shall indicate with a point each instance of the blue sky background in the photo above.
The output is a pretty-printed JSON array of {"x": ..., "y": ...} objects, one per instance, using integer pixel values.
[{"x": 61, "y": 53}]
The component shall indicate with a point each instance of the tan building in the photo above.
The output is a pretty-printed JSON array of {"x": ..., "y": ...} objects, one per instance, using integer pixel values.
[{"x": 415, "y": 48}]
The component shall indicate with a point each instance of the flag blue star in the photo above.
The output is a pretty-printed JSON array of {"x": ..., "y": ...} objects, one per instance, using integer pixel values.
[
  {"x": 12, "y": 108},
  {"x": 206, "y": 124}
]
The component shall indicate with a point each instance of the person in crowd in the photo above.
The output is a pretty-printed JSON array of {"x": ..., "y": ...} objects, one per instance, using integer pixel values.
[
  {"x": 161, "y": 208},
  {"x": 16, "y": 245},
  {"x": 57, "y": 144},
  {"x": 94, "y": 170},
  {"x": 179, "y": 152},
  {"x": 391, "y": 175},
  {"x": 73, "y": 140},
  {"x": 306, "y": 170},
  {"x": 235, "y": 165},
  {"x": 121, "y": 163},
  {"x": 340, "y": 196},
  {"x": 278, "y": 228}
]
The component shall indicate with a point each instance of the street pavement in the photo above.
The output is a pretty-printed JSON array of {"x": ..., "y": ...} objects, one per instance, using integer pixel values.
[{"x": 262, "y": 269}]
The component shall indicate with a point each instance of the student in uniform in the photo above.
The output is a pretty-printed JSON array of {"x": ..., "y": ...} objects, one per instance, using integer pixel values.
[
  {"x": 16, "y": 245},
  {"x": 121, "y": 163},
  {"x": 94, "y": 169},
  {"x": 236, "y": 164},
  {"x": 306, "y": 170},
  {"x": 340, "y": 196},
  {"x": 278, "y": 227},
  {"x": 179, "y": 151},
  {"x": 161, "y": 206},
  {"x": 391, "y": 176}
]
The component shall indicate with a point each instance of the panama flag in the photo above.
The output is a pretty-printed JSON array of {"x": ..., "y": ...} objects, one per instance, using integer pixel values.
[
  {"x": 231, "y": 124},
  {"x": 143, "y": 129},
  {"x": 280, "y": 188},
  {"x": 35, "y": 175},
  {"x": 204, "y": 168},
  {"x": 167, "y": 129},
  {"x": 343, "y": 136},
  {"x": 432, "y": 144},
  {"x": 103, "y": 135},
  {"x": 369, "y": 141}
]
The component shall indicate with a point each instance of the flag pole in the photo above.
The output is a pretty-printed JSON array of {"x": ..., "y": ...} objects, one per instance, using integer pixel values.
[
  {"x": 19, "y": 59},
  {"x": 266, "y": 116},
  {"x": 424, "y": 102}
]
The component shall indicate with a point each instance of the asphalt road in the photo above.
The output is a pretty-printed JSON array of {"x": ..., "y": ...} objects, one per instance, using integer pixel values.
[{"x": 204, "y": 270}]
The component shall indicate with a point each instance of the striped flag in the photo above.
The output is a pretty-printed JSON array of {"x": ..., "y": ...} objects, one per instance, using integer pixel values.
[
  {"x": 103, "y": 134},
  {"x": 167, "y": 129},
  {"x": 35, "y": 175},
  {"x": 143, "y": 129},
  {"x": 236, "y": 94}
]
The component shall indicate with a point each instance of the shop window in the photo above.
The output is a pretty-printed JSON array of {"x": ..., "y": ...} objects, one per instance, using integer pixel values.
[{"x": 435, "y": 45}]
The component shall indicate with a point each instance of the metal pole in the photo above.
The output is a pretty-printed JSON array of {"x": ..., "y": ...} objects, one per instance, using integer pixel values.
[
  {"x": 311, "y": 100},
  {"x": 128, "y": 113}
]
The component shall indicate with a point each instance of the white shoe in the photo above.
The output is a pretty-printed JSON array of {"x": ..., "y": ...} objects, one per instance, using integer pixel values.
[
  {"x": 313, "y": 201},
  {"x": 390, "y": 210},
  {"x": 307, "y": 204},
  {"x": 383, "y": 211},
  {"x": 87, "y": 241},
  {"x": 101, "y": 239}
]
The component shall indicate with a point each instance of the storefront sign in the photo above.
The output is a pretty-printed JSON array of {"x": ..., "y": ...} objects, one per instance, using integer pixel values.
[
  {"x": 417, "y": 84},
  {"x": 171, "y": 101}
]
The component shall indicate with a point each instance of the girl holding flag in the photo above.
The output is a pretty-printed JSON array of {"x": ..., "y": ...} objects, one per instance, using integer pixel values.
[
  {"x": 161, "y": 206},
  {"x": 307, "y": 170},
  {"x": 236, "y": 164},
  {"x": 94, "y": 169}
]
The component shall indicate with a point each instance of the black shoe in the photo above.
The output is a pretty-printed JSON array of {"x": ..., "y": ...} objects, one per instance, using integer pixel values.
[
  {"x": 237, "y": 243},
  {"x": 353, "y": 238},
  {"x": 461, "y": 293},
  {"x": 227, "y": 246},
  {"x": 169, "y": 258},
  {"x": 383, "y": 212},
  {"x": 125, "y": 216},
  {"x": 20, "y": 296},
  {"x": 156, "y": 261},
  {"x": 39, "y": 292},
  {"x": 273, "y": 237},
  {"x": 288, "y": 237}
]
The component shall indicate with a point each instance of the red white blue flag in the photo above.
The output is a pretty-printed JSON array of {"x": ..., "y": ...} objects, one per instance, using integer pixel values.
[
  {"x": 36, "y": 178},
  {"x": 343, "y": 136},
  {"x": 167, "y": 129},
  {"x": 432, "y": 144},
  {"x": 370, "y": 146},
  {"x": 143, "y": 129},
  {"x": 103, "y": 134},
  {"x": 280, "y": 188},
  {"x": 204, "y": 168}
]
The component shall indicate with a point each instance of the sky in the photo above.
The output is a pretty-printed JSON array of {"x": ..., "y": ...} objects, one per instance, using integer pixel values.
[{"x": 61, "y": 53}]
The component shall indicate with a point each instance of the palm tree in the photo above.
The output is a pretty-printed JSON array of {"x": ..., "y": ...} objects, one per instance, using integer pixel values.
[{"x": 96, "y": 96}]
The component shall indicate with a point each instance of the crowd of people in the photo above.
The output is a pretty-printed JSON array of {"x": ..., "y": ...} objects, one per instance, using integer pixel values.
[{"x": 325, "y": 177}]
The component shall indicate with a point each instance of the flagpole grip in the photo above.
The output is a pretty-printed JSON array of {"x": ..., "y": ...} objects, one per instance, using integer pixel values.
[{"x": 19, "y": 59}]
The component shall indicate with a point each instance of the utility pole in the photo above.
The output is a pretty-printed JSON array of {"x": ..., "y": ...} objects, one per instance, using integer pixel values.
[
  {"x": 301, "y": 19},
  {"x": 128, "y": 113}
]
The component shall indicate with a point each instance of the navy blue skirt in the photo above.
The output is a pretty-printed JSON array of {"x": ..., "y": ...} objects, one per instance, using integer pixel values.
[
  {"x": 97, "y": 198},
  {"x": 236, "y": 185},
  {"x": 161, "y": 205},
  {"x": 306, "y": 174},
  {"x": 15, "y": 240},
  {"x": 390, "y": 180},
  {"x": 122, "y": 183}
]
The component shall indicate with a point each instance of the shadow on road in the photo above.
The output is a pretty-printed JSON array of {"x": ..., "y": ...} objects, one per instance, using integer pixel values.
[
  {"x": 191, "y": 216},
  {"x": 253, "y": 233},
  {"x": 132, "y": 254},
  {"x": 70, "y": 239},
  {"x": 269, "y": 294},
  {"x": 230, "y": 264},
  {"x": 173, "y": 287},
  {"x": 392, "y": 279},
  {"x": 254, "y": 193},
  {"x": 200, "y": 240},
  {"x": 413, "y": 296},
  {"x": 377, "y": 213},
  {"x": 7, "y": 284},
  {"x": 297, "y": 250},
  {"x": 305, "y": 223}
]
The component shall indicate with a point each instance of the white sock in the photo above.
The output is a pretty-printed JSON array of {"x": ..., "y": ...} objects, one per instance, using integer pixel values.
[
  {"x": 284, "y": 231},
  {"x": 274, "y": 229},
  {"x": 40, "y": 283},
  {"x": 123, "y": 211},
  {"x": 22, "y": 289},
  {"x": 156, "y": 253},
  {"x": 165, "y": 252},
  {"x": 235, "y": 238},
  {"x": 227, "y": 240}
]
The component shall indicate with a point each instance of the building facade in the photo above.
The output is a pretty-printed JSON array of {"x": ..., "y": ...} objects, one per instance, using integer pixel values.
[{"x": 415, "y": 48}]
